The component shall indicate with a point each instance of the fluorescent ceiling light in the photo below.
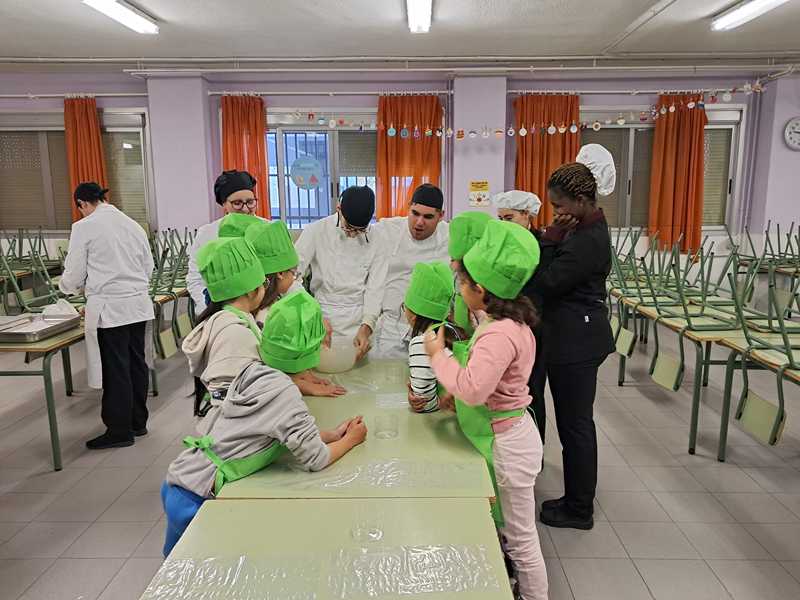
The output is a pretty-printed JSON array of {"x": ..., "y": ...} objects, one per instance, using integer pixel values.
[
  {"x": 124, "y": 13},
  {"x": 743, "y": 12},
  {"x": 419, "y": 15}
]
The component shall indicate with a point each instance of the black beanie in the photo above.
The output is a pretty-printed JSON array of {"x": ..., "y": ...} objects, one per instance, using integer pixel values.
[
  {"x": 231, "y": 182},
  {"x": 428, "y": 195},
  {"x": 358, "y": 205}
]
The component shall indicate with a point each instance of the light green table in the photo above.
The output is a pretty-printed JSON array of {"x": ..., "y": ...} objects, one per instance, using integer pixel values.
[
  {"x": 347, "y": 549},
  {"x": 429, "y": 457}
]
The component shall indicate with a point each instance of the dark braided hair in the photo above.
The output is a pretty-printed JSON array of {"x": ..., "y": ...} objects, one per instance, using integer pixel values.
[
  {"x": 574, "y": 181},
  {"x": 520, "y": 310}
]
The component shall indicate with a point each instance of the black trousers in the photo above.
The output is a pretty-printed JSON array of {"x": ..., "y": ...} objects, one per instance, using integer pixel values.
[
  {"x": 573, "y": 387},
  {"x": 125, "y": 378}
]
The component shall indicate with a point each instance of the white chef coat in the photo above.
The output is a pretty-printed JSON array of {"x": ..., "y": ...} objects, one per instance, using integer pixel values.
[
  {"x": 402, "y": 252},
  {"x": 346, "y": 274},
  {"x": 194, "y": 281},
  {"x": 109, "y": 258}
]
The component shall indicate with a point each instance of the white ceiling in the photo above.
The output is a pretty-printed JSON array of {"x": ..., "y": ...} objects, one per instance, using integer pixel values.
[{"x": 324, "y": 28}]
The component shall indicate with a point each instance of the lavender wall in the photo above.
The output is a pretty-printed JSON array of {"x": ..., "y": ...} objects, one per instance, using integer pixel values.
[
  {"x": 777, "y": 178},
  {"x": 180, "y": 142},
  {"x": 69, "y": 83},
  {"x": 478, "y": 102}
]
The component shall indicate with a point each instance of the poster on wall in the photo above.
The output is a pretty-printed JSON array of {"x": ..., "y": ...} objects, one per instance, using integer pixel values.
[
  {"x": 306, "y": 173},
  {"x": 479, "y": 193}
]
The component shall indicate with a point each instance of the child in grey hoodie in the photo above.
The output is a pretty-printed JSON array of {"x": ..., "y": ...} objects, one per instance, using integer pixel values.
[{"x": 262, "y": 416}]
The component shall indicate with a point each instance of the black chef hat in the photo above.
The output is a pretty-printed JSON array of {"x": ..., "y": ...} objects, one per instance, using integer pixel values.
[
  {"x": 231, "y": 182},
  {"x": 358, "y": 205},
  {"x": 90, "y": 191},
  {"x": 428, "y": 195}
]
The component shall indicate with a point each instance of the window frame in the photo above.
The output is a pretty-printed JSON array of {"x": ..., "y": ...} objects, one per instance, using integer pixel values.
[
  {"x": 28, "y": 122},
  {"x": 719, "y": 117}
]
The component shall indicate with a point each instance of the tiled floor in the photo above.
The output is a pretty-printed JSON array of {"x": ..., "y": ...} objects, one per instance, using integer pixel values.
[{"x": 668, "y": 525}]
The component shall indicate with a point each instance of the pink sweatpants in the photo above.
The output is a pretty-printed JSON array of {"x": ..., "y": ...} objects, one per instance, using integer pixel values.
[{"x": 517, "y": 461}]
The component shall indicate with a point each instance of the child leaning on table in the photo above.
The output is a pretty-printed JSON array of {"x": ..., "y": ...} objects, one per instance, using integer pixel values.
[
  {"x": 263, "y": 415},
  {"x": 427, "y": 304},
  {"x": 490, "y": 382}
]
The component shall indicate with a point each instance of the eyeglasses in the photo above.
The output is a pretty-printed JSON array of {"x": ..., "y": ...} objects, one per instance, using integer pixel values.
[
  {"x": 351, "y": 230},
  {"x": 239, "y": 204}
]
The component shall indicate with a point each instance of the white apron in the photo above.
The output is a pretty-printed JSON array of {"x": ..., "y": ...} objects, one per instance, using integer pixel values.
[
  {"x": 94, "y": 364},
  {"x": 343, "y": 312}
]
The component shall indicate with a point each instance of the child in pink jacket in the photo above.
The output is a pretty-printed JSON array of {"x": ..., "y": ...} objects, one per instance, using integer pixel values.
[{"x": 490, "y": 382}]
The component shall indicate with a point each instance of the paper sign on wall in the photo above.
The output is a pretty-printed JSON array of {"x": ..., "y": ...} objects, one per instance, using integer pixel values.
[{"x": 479, "y": 193}]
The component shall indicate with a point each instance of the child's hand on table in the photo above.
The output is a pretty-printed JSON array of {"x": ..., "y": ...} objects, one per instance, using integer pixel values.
[
  {"x": 417, "y": 403},
  {"x": 311, "y": 385},
  {"x": 356, "y": 431},
  {"x": 434, "y": 342},
  {"x": 334, "y": 435}
]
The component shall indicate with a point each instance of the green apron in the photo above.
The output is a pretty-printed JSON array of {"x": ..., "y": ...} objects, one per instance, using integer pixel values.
[
  {"x": 251, "y": 325},
  {"x": 461, "y": 316},
  {"x": 476, "y": 424},
  {"x": 234, "y": 468}
]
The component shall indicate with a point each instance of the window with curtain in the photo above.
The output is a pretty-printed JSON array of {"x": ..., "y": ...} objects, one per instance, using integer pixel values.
[
  {"x": 632, "y": 148},
  {"x": 125, "y": 171},
  {"x": 34, "y": 178}
]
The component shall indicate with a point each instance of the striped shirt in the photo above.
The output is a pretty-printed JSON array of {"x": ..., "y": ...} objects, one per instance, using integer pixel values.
[{"x": 421, "y": 377}]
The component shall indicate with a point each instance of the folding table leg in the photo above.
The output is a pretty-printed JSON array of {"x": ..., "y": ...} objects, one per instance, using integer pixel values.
[
  {"x": 696, "y": 390},
  {"x": 706, "y": 364},
  {"x": 726, "y": 405},
  {"x": 67, "y": 363},
  {"x": 51, "y": 409}
]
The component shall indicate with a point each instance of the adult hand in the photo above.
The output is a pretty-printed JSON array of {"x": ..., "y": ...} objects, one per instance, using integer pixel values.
[
  {"x": 565, "y": 222},
  {"x": 362, "y": 341},
  {"x": 434, "y": 341},
  {"x": 417, "y": 403},
  {"x": 328, "y": 333}
]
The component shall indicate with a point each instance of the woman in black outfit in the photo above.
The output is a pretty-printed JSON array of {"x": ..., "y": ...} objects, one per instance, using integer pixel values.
[{"x": 571, "y": 286}]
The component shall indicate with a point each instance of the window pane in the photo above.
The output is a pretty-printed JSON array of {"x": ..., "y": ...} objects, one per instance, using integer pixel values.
[
  {"x": 616, "y": 142},
  {"x": 59, "y": 178},
  {"x": 306, "y": 206},
  {"x": 717, "y": 154},
  {"x": 640, "y": 178},
  {"x": 21, "y": 182},
  {"x": 357, "y": 152},
  {"x": 125, "y": 172},
  {"x": 272, "y": 164}
]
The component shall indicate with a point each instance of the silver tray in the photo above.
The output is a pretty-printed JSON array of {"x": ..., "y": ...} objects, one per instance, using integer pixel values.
[{"x": 34, "y": 328}]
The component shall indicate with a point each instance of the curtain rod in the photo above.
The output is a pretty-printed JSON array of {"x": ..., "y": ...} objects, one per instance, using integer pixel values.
[
  {"x": 627, "y": 92},
  {"x": 307, "y": 93},
  {"x": 32, "y": 96}
]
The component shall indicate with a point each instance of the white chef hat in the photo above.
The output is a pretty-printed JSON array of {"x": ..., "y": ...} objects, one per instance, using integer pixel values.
[
  {"x": 518, "y": 200},
  {"x": 601, "y": 164}
]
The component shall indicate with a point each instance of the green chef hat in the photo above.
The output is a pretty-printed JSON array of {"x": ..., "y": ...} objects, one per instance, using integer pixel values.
[
  {"x": 465, "y": 230},
  {"x": 503, "y": 259},
  {"x": 273, "y": 246},
  {"x": 230, "y": 268},
  {"x": 430, "y": 291},
  {"x": 235, "y": 224},
  {"x": 293, "y": 333}
]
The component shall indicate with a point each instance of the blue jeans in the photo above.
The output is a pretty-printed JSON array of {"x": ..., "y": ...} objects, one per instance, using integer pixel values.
[{"x": 180, "y": 506}]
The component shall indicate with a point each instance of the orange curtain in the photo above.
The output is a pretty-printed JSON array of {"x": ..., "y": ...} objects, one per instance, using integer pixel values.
[
  {"x": 676, "y": 174},
  {"x": 84, "y": 145},
  {"x": 404, "y": 163},
  {"x": 244, "y": 143},
  {"x": 539, "y": 153}
]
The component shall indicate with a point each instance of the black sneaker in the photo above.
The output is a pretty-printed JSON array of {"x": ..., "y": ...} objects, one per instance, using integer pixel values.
[
  {"x": 140, "y": 432},
  {"x": 554, "y": 503},
  {"x": 109, "y": 441},
  {"x": 562, "y": 517}
]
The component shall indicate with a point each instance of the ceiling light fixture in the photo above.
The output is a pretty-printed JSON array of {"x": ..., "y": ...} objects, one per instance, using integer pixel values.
[
  {"x": 419, "y": 15},
  {"x": 742, "y": 13},
  {"x": 125, "y": 14}
]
